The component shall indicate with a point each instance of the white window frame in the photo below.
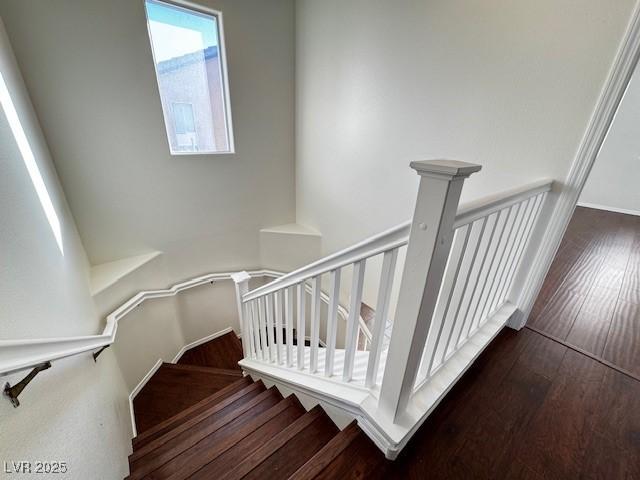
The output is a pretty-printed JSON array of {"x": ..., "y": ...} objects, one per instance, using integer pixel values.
[{"x": 224, "y": 76}]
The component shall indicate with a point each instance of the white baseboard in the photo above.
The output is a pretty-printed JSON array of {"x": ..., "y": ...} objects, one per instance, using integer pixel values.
[
  {"x": 200, "y": 342},
  {"x": 137, "y": 389},
  {"x": 609, "y": 209}
]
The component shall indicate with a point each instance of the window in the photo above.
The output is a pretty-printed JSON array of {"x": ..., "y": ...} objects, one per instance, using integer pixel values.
[{"x": 188, "y": 52}]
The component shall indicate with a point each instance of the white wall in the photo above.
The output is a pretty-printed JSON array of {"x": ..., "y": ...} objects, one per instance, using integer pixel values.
[
  {"x": 152, "y": 330},
  {"x": 210, "y": 308},
  {"x": 614, "y": 181},
  {"x": 506, "y": 84},
  {"x": 287, "y": 247},
  {"x": 89, "y": 69},
  {"x": 76, "y": 408}
]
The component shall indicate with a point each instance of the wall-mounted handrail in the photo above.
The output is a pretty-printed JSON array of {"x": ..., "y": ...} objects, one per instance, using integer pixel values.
[{"x": 18, "y": 355}]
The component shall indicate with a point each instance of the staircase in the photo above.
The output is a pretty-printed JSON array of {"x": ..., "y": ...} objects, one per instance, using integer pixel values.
[
  {"x": 204, "y": 421},
  {"x": 443, "y": 285}
]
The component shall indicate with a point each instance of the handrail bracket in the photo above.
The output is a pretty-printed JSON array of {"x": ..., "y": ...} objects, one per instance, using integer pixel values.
[
  {"x": 13, "y": 392},
  {"x": 97, "y": 354}
]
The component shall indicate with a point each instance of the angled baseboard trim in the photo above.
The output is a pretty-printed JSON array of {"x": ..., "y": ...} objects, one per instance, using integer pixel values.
[
  {"x": 137, "y": 389},
  {"x": 609, "y": 209},
  {"x": 200, "y": 341}
]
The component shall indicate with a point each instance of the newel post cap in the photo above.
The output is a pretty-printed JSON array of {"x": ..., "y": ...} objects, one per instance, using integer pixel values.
[
  {"x": 240, "y": 277},
  {"x": 444, "y": 168}
]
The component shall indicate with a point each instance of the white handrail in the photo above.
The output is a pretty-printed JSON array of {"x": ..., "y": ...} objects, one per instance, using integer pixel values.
[
  {"x": 472, "y": 211},
  {"x": 398, "y": 236},
  {"x": 388, "y": 240}
]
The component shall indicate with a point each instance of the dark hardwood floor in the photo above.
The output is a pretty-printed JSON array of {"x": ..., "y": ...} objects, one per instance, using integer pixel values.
[
  {"x": 530, "y": 407},
  {"x": 591, "y": 296}
]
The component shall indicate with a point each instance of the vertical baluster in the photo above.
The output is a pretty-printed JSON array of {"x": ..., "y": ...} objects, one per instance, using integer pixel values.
[
  {"x": 277, "y": 297},
  {"x": 269, "y": 305},
  {"x": 464, "y": 332},
  {"x": 382, "y": 310},
  {"x": 332, "y": 315},
  {"x": 485, "y": 281},
  {"x": 315, "y": 322},
  {"x": 288, "y": 305},
  {"x": 455, "y": 323},
  {"x": 262, "y": 325},
  {"x": 533, "y": 222},
  {"x": 247, "y": 335},
  {"x": 256, "y": 328},
  {"x": 514, "y": 242},
  {"x": 352, "y": 323},
  {"x": 445, "y": 313},
  {"x": 300, "y": 331}
]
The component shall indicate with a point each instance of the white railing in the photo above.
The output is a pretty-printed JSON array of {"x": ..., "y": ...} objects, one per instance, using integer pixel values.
[
  {"x": 488, "y": 246},
  {"x": 270, "y": 312},
  {"x": 458, "y": 276}
]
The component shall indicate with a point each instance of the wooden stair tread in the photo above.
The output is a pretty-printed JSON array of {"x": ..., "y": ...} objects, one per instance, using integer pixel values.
[
  {"x": 268, "y": 448},
  {"x": 220, "y": 406},
  {"x": 288, "y": 449},
  {"x": 216, "y": 444},
  {"x": 186, "y": 414},
  {"x": 288, "y": 458},
  {"x": 200, "y": 368},
  {"x": 201, "y": 377},
  {"x": 361, "y": 459},
  {"x": 190, "y": 432},
  {"x": 180, "y": 462},
  {"x": 222, "y": 352},
  {"x": 171, "y": 390},
  {"x": 328, "y": 453},
  {"x": 227, "y": 461}
]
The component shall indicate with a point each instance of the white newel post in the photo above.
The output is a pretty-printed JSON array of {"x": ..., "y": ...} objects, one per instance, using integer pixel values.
[
  {"x": 241, "y": 279},
  {"x": 429, "y": 245}
]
